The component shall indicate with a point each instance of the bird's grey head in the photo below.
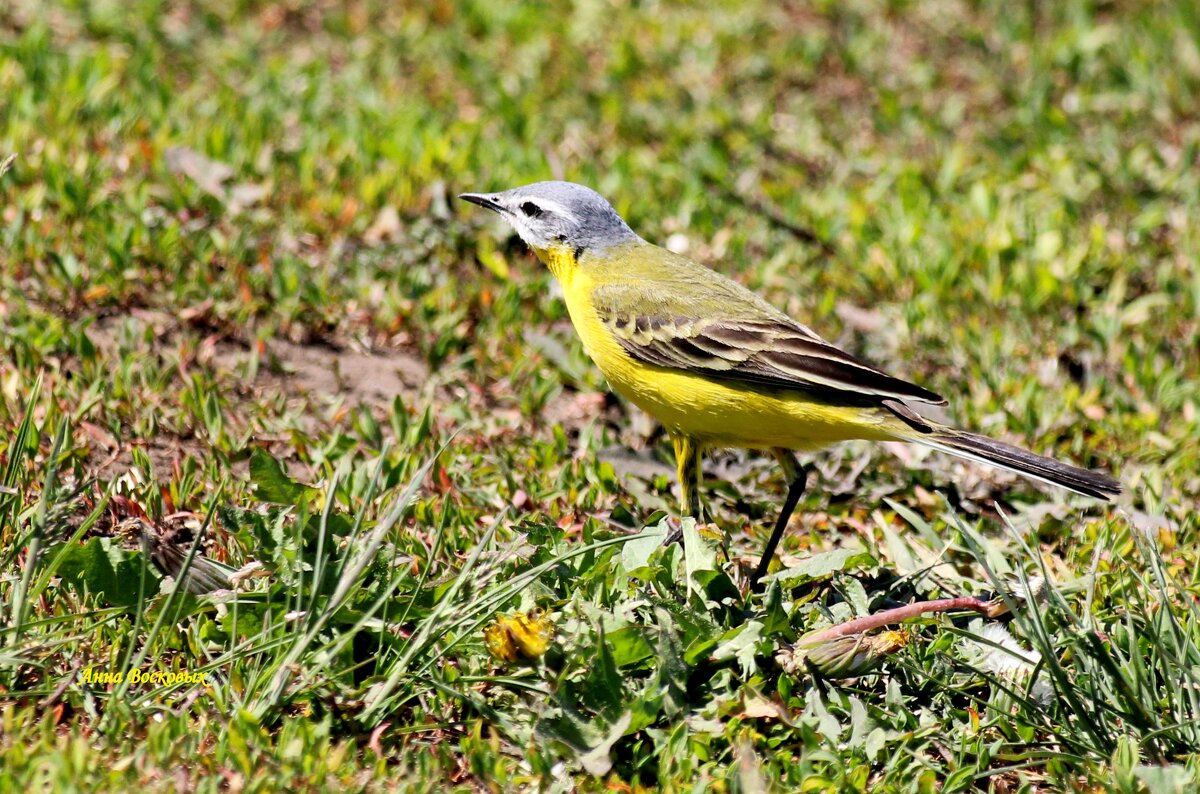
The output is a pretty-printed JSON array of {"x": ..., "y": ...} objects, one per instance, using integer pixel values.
[{"x": 551, "y": 214}]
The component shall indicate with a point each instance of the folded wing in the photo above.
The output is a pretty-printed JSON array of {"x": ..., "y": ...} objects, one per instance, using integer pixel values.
[{"x": 765, "y": 351}]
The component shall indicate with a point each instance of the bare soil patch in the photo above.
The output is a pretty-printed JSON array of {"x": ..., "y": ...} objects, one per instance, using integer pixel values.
[{"x": 374, "y": 378}]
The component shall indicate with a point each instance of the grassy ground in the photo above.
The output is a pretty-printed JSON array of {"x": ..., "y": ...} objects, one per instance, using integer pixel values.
[{"x": 236, "y": 293}]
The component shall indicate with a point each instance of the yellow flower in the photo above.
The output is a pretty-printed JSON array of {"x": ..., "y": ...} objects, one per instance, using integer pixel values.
[{"x": 514, "y": 637}]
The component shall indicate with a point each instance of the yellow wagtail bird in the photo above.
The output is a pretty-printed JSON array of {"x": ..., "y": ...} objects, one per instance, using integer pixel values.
[{"x": 720, "y": 367}]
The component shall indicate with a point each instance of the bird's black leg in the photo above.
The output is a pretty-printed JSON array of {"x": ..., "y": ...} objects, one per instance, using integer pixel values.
[
  {"x": 687, "y": 465},
  {"x": 797, "y": 478}
]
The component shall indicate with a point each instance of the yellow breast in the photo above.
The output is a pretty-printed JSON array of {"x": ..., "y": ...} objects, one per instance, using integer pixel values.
[{"x": 716, "y": 412}]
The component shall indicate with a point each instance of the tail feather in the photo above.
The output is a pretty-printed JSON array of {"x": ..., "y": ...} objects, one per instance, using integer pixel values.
[{"x": 1015, "y": 459}]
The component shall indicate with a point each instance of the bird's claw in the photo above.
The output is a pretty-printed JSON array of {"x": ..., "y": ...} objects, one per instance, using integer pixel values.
[{"x": 674, "y": 531}]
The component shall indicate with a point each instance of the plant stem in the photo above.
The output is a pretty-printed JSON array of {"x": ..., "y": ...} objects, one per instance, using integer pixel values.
[{"x": 900, "y": 614}]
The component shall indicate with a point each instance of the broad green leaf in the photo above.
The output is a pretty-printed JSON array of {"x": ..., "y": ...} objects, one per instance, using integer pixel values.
[
  {"x": 629, "y": 646},
  {"x": 102, "y": 567},
  {"x": 597, "y": 760},
  {"x": 636, "y": 553},
  {"x": 741, "y": 644},
  {"x": 672, "y": 670},
  {"x": 273, "y": 483},
  {"x": 822, "y": 566},
  {"x": 699, "y": 553},
  {"x": 603, "y": 685}
]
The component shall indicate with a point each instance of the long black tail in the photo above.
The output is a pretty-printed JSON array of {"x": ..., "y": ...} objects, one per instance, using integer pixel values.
[{"x": 1015, "y": 459}]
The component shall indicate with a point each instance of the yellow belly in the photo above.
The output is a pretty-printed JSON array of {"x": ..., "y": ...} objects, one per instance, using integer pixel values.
[{"x": 717, "y": 413}]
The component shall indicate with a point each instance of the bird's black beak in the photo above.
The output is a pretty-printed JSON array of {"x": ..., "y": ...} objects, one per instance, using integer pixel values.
[{"x": 482, "y": 200}]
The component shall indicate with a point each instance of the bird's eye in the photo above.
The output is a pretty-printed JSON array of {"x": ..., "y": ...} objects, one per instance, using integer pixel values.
[{"x": 531, "y": 210}]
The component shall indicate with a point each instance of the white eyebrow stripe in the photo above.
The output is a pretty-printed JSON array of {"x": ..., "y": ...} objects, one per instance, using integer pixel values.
[{"x": 553, "y": 206}]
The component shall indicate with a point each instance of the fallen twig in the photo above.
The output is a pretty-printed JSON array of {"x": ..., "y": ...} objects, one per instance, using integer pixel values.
[{"x": 906, "y": 612}]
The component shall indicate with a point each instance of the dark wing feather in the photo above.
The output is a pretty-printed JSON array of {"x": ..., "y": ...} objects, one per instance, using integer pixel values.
[{"x": 771, "y": 351}]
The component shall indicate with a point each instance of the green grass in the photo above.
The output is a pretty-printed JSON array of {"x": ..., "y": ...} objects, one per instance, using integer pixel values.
[{"x": 236, "y": 291}]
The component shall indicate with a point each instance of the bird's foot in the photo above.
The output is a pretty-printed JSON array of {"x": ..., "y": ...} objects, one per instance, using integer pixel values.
[{"x": 674, "y": 531}]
